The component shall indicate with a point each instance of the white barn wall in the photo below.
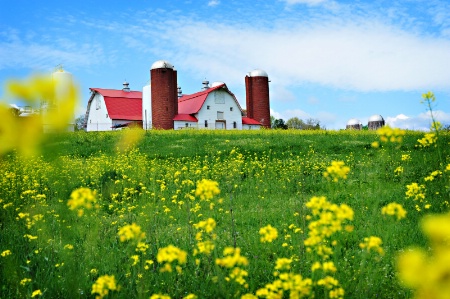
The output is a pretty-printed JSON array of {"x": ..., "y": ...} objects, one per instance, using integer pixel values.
[
  {"x": 214, "y": 100},
  {"x": 180, "y": 124},
  {"x": 146, "y": 107},
  {"x": 99, "y": 119}
]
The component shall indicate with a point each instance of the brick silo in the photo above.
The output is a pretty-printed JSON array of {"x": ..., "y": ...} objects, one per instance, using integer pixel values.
[
  {"x": 164, "y": 94},
  {"x": 257, "y": 97}
]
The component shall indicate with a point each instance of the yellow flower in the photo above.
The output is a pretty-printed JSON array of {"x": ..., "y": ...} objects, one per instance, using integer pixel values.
[
  {"x": 190, "y": 296},
  {"x": 25, "y": 281},
  {"x": 207, "y": 189},
  {"x": 232, "y": 257},
  {"x": 159, "y": 296},
  {"x": 388, "y": 134},
  {"x": 103, "y": 285},
  {"x": 283, "y": 264},
  {"x": 25, "y": 133},
  {"x": 394, "y": 209},
  {"x": 206, "y": 225},
  {"x": 268, "y": 233},
  {"x": 170, "y": 254},
  {"x": 415, "y": 191},
  {"x": 6, "y": 253},
  {"x": 427, "y": 140},
  {"x": 372, "y": 243},
  {"x": 337, "y": 171},
  {"x": 130, "y": 232},
  {"x": 82, "y": 198},
  {"x": 36, "y": 293}
]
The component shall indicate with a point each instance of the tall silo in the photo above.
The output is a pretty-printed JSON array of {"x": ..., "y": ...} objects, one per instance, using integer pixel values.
[
  {"x": 354, "y": 124},
  {"x": 376, "y": 121},
  {"x": 164, "y": 94},
  {"x": 257, "y": 96}
]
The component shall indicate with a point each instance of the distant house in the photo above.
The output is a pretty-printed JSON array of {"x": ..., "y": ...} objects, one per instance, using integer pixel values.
[{"x": 110, "y": 109}]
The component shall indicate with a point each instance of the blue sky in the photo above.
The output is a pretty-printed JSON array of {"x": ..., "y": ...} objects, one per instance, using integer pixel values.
[{"x": 329, "y": 60}]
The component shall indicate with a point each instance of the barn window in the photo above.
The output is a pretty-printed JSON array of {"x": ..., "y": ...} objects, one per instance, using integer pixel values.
[
  {"x": 231, "y": 108},
  {"x": 207, "y": 107},
  {"x": 206, "y": 123},
  {"x": 234, "y": 125},
  {"x": 106, "y": 115},
  {"x": 219, "y": 114},
  {"x": 187, "y": 125}
]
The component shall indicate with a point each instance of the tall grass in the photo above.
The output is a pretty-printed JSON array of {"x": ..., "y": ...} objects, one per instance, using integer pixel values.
[{"x": 264, "y": 177}]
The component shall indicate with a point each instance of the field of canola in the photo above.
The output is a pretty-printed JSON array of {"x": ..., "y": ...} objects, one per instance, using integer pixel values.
[{"x": 227, "y": 214}]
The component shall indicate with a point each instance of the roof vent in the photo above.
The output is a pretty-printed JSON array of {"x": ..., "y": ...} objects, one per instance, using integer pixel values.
[
  {"x": 125, "y": 86},
  {"x": 180, "y": 93},
  {"x": 205, "y": 85}
]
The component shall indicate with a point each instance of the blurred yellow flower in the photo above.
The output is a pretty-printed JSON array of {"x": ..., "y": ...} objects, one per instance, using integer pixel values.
[
  {"x": 336, "y": 171},
  {"x": 268, "y": 233},
  {"x": 103, "y": 285},
  {"x": 207, "y": 189},
  {"x": 372, "y": 243},
  {"x": 394, "y": 209},
  {"x": 82, "y": 198},
  {"x": 130, "y": 232}
]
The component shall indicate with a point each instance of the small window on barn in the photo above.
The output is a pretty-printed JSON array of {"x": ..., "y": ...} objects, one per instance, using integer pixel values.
[
  {"x": 187, "y": 125},
  {"x": 219, "y": 115},
  {"x": 231, "y": 108},
  {"x": 207, "y": 107},
  {"x": 234, "y": 125},
  {"x": 107, "y": 115},
  {"x": 206, "y": 123}
]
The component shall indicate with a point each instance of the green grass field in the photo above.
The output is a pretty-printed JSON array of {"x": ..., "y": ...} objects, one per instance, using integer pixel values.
[{"x": 150, "y": 222}]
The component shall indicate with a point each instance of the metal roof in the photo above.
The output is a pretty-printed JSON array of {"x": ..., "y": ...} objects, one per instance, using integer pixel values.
[
  {"x": 121, "y": 104},
  {"x": 191, "y": 104},
  {"x": 250, "y": 121},
  {"x": 185, "y": 117}
]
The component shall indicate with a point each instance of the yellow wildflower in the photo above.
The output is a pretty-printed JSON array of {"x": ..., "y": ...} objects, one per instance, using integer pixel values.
[
  {"x": 268, "y": 233},
  {"x": 394, "y": 209},
  {"x": 337, "y": 171},
  {"x": 6, "y": 253},
  {"x": 82, "y": 198},
  {"x": 36, "y": 293},
  {"x": 130, "y": 232},
  {"x": 207, "y": 189},
  {"x": 372, "y": 243},
  {"x": 103, "y": 285}
]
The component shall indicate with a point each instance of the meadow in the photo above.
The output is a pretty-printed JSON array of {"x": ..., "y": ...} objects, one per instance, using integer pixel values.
[{"x": 227, "y": 214}]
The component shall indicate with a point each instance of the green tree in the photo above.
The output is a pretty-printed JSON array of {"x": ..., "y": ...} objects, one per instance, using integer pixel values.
[{"x": 279, "y": 124}]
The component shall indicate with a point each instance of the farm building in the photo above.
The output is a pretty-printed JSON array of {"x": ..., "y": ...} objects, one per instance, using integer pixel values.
[
  {"x": 161, "y": 105},
  {"x": 354, "y": 124},
  {"x": 375, "y": 122},
  {"x": 109, "y": 109}
]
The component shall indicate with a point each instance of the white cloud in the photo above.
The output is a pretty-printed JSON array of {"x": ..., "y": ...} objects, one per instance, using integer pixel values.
[
  {"x": 420, "y": 122},
  {"x": 213, "y": 3},
  {"x": 357, "y": 55}
]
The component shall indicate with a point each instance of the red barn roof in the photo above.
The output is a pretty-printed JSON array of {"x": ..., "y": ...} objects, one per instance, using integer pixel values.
[
  {"x": 185, "y": 117},
  {"x": 191, "y": 104},
  {"x": 250, "y": 121},
  {"x": 121, "y": 104}
]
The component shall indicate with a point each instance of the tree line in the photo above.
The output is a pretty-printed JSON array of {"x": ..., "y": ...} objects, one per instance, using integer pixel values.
[{"x": 296, "y": 124}]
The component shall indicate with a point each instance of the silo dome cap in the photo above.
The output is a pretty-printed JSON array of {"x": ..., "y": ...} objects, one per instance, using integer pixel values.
[
  {"x": 353, "y": 122},
  {"x": 258, "y": 73},
  {"x": 376, "y": 117},
  {"x": 162, "y": 64}
]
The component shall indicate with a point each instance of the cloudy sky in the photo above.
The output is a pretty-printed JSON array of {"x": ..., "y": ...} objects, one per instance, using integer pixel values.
[{"x": 330, "y": 60}]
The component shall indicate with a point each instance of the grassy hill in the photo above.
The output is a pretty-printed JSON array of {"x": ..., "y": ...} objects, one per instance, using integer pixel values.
[{"x": 158, "y": 209}]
